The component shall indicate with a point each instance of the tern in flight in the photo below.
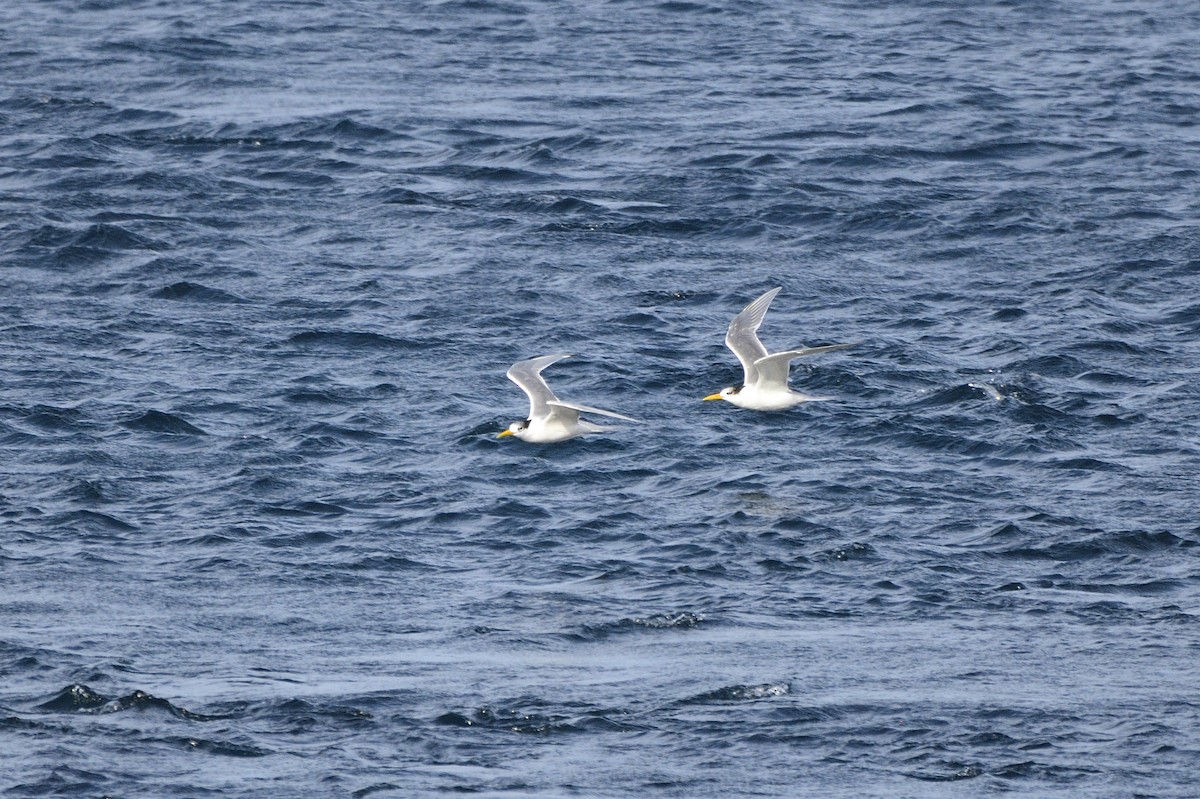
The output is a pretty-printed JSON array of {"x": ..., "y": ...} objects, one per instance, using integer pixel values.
[
  {"x": 765, "y": 385},
  {"x": 550, "y": 419}
]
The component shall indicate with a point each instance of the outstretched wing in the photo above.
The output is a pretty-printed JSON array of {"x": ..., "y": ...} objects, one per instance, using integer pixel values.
[
  {"x": 772, "y": 370},
  {"x": 742, "y": 336},
  {"x": 528, "y": 375},
  {"x": 571, "y": 406}
]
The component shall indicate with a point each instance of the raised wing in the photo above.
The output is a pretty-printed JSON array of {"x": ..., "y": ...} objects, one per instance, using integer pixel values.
[
  {"x": 742, "y": 336},
  {"x": 528, "y": 375},
  {"x": 587, "y": 409},
  {"x": 772, "y": 371}
]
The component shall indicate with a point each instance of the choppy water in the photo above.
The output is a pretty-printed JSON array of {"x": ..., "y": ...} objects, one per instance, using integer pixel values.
[{"x": 262, "y": 270}]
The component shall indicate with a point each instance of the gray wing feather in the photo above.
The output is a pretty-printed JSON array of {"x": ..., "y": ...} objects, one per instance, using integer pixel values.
[
  {"x": 773, "y": 369},
  {"x": 587, "y": 409},
  {"x": 528, "y": 376},
  {"x": 742, "y": 337}
]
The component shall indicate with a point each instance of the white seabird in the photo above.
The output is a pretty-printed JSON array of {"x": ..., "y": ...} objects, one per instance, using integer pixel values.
[
  {"x": 550, "y": 419},
  {"x": 765, "y": 384}
]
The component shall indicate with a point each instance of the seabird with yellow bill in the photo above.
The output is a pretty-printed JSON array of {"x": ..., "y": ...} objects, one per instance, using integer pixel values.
[
  {"x": 550, "y": 419},
  {"x": 765, "y": 384}
]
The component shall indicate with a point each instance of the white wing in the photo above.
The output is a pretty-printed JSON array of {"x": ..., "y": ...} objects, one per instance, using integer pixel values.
[
  {"x": 587, "y": 409},
  {"x": 772, "y": 370},
  {"x": 528, "y": 375},
  {"x": 742, "y": 336}
]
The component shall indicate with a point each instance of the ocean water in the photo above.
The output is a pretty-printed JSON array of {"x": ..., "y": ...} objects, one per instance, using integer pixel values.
[{"x": 263, "y": 268}]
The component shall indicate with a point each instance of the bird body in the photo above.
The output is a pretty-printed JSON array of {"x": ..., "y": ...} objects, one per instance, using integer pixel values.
[
  {"x": 550, "y": 419},
  {"x": 765, "y": 375}
]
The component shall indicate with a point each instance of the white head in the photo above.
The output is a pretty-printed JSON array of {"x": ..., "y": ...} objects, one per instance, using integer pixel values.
[
  {"x": 725, "y": 393},
  {"x": 517, "y": 429}
]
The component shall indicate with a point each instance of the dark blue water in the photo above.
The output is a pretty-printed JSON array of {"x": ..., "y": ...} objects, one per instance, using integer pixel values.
[{"x": 263, "y": 268}]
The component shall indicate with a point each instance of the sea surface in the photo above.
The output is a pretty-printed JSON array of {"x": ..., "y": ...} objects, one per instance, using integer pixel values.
[{"x": 263, "y": 267}]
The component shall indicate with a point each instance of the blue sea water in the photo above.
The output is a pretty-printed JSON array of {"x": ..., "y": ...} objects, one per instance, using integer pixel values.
[{"x": 263, "y": 268}]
